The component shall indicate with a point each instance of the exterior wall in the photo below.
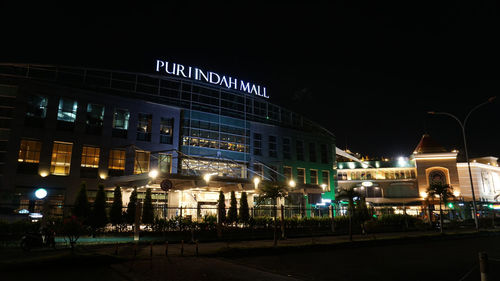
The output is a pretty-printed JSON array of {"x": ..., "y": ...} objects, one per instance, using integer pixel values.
[
  {"x": 485, "y": 178},
  {"x": 69, "y": 185},
  {"x": 162, "y": 97},
  {"x": 280, "y": 162},
  {"x": 448, "y": 166}
]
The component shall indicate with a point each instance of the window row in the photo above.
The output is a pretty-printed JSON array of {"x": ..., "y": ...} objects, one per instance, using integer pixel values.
[
  {"x": 377, "y": 175},
  {"x": 315, "y": 176},
  {"x": 29, "y": 158},
  {"x": 224, "y": 145},
  {"x": 36, "y": 111},
  {"x": 286, "y": 146}
]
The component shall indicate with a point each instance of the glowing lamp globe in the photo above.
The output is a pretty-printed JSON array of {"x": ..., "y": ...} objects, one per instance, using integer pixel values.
[{"x": 40, "y": 193}]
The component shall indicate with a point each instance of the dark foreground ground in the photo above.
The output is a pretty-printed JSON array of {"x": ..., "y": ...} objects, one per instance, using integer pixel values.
[{"x": 429, "y": 258}]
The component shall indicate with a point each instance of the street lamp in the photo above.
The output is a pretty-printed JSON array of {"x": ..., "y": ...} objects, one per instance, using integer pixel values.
[
  {"x": 153, "y": 174},
  {"x": 256, "y": 181},
  {"x": 462, "y": 125}
]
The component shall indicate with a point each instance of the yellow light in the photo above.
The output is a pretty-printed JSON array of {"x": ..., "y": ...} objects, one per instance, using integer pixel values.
[
  {"x": 456, "y": 193},
  {"x": 423, "y": 194},
  {"x": 206, "y": 177},
  {"x": 153, "y": 174},
  {"x": 323, "y": 186},
  {"x": 43, "y": 174},
  {"x": 291, "y": 183},
  {"x": 256, "y": 181},
  {"x": 435, "y": 158},
  {"x": 103, "y": 176}
]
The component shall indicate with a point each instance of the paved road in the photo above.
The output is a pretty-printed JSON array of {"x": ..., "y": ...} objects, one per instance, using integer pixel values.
[{"x": 442, "y": 260}]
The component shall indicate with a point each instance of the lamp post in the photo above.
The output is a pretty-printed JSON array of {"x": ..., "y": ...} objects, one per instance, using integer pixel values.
[{"x": 462, "y": 125}]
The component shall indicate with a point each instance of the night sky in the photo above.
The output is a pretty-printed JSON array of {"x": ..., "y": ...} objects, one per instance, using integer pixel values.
[{"x": 369, "y": 73}]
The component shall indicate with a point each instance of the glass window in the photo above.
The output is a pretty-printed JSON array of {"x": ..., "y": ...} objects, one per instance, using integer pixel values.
[
  {"x": 120, "y": 119},
  {"x": 61, "y": 158},
  {"x": 67, "y": 110},
  {"x": 301, "y": 175},
  {"x": 90, "y": 157},
  {"x": 36, "y": 106},
  {"x": 313, "y": 176},
  {"x": 324, "y": 153},
  {"x": 95, "y": 115},
  {"x": 257, "y": 144},
  {"x": 299, "y": 147},
  {"x": 287, "y": 172},
  {"x": 286, "y": 148},
  {"x": 144, "y": 127},
  {"x": 165, "y": 163},
  {"x": 325, "y": 178},
  {"x": 258, "y": 170},
  {"x": 272, "y": 147},
  {"x": 312, "y": 152},
  {"x": 141, "y": 163},
  {"x": 29, "y": 151},
  {"x": 116, "y": 159},
  {"x": 166, "y": 127},
  {"x": 273, "y": 174}
]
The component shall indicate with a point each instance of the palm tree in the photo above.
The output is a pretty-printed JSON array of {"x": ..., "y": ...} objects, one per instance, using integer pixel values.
[
  {"x": 349, "y": 194},
  {"x": 444, "y": 192},
  {"x": 273, "y": 191}
]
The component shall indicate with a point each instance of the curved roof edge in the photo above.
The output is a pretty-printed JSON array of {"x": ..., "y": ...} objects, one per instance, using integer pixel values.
[{"x": 156, "y": 76}]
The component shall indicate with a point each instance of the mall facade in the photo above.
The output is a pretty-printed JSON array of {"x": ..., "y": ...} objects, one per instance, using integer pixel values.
[
  {"x": 61, "y": 126},
  {"x": 402, "y": 183}
]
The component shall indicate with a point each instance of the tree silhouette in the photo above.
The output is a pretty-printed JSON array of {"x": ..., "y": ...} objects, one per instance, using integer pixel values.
[
  {"x": 131, "y": 207},
  {"x": 99, "y": 218},
  {"x": 147, "y": 210},
  {"x": 221, "y": 208},
  {"x": 81, "y": 208},
  {"x": 350, "y": 194},
  {"x": 232, "y": 214},
  {"x": 444, "y": 192},
  {"x": 244, "y": 210},
  {"x": 115, "y": 214},
  {"x": 272, "y": 190}
]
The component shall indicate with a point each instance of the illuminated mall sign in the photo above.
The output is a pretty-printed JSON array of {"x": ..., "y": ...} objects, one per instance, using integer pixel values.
[{"x": 210, "y": 77}]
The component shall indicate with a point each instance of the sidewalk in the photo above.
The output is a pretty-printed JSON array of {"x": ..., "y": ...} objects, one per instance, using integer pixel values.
[{"x": 214, "y": 248}]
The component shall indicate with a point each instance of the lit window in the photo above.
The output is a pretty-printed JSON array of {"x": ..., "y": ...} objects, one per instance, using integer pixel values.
[
  {"x": 95, "y": 115},
  {"x": 36, "y": 106},
  {"x": 29, "y": 151},
  {"x": 325, "y": 178},
  {"x": 61, "y": 158},
  {"x": 67, "y": 110},
  {"x": 120, "y": 119},
  {"x": 164, "y": 163},
  {"x": 90, "y": 157},
  {"x": 166, "y": 127},
  {"x": 301, "y": 175},
  {"x": 144, "y": 127},
  {"x": 116, "y": 159},
  {"x": 313, "y": 176},
  {"x": 141, "y": 163}
]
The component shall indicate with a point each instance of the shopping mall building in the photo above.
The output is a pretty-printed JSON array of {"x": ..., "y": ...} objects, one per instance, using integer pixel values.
[
  {"x": 402, "y": 183},
  {"x": 192, "y": 132}
]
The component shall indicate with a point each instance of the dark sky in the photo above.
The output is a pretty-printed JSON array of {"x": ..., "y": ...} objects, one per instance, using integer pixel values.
[{"x": 369, "y": 73}]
